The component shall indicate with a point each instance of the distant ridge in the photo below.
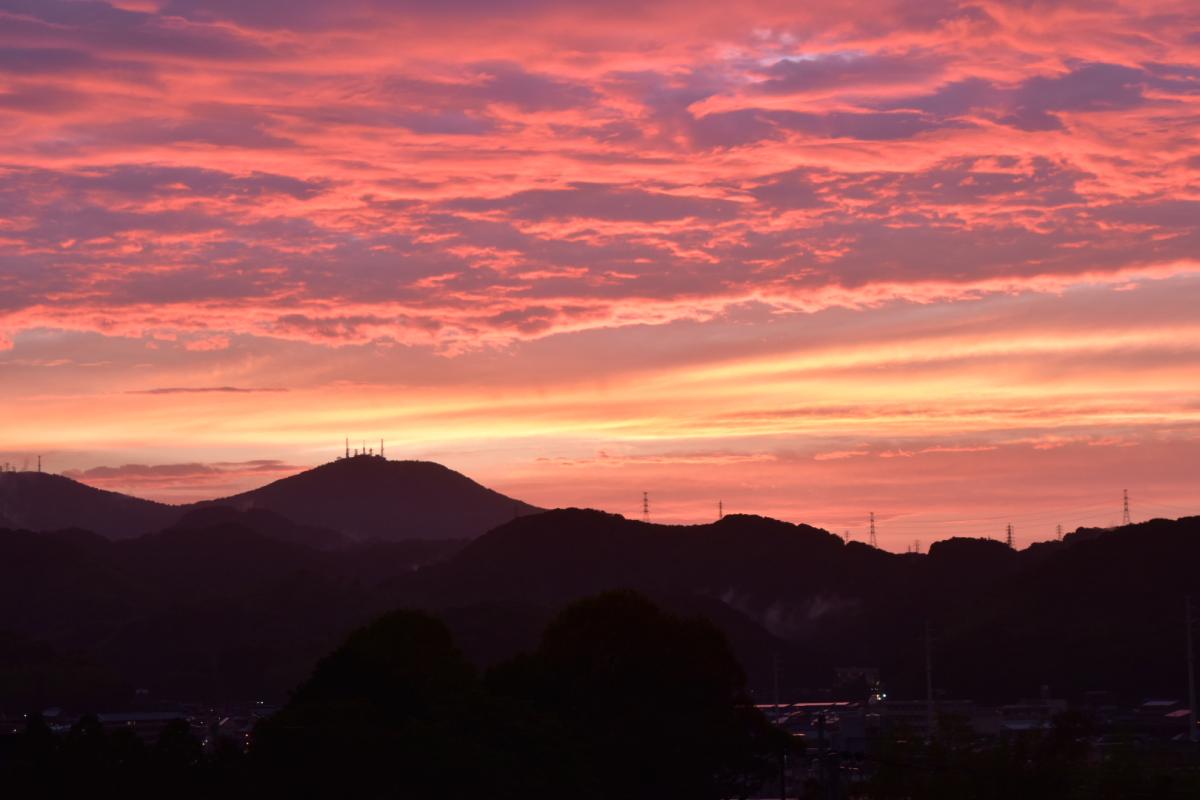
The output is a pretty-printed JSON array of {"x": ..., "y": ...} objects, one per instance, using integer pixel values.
[
  {"x": 1008, "y": 621},
  {"x": 243, "y": 603},
  {"x": 264, "y": 523},
  {"x": 358, "y": 498},
  {"x": 41, "y": 501}
]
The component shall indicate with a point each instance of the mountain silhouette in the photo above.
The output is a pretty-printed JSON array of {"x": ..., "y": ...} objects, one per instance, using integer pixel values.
[
  {"x": 240, "y": 605},
  {"x": 265, "y": 523},
  {"x": 40, "y": 501},
  {"x": 367, "y": 497},
  {"x": 359, "y": 498},
  {"x": 1065, "y": 614}
]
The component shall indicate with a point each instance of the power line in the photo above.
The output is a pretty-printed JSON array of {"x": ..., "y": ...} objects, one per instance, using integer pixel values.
[{"x": 1031, "y": 515}]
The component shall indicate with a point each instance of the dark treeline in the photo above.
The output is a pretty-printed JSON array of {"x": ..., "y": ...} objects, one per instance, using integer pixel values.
[{"x": 619, "y": 700}]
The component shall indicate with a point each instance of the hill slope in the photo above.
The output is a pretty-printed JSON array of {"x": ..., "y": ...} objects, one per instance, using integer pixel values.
[
  {"x": 242, "y": 607},
  {"x": 360, "y": 498},
  {"x": 367, "y": 497},
  {"x": 1064, "y": 614},
  {"x": 40, "y": 501}
]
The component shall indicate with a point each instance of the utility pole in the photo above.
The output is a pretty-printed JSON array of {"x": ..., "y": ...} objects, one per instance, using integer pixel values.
[
  {"x": 874, "y": 542},
  {"x": 1125, "y": 520},
  {"x": 777, "y": 718},
  {"x": 929, "y": 715},
  {"x": 1191, "y": 668},
  {"x": 775, "y": 678}
]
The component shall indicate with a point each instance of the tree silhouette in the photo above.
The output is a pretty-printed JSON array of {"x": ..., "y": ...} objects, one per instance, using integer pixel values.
[
  {"x": 386, "y": 713},
  {"x": 655, "y": 705},
  {"x": 619, "y": 701}
]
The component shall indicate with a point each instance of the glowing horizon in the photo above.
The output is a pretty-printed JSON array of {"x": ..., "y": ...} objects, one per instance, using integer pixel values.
[{"x": 940, "y": 261}]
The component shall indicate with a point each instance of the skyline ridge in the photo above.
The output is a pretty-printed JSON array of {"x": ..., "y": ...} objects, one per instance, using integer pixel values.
[{"x": 1005, "y": 529}]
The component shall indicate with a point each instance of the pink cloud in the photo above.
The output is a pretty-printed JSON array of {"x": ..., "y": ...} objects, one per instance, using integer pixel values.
[
  {"x": 184, "y": 482},
  {"x": 833, "y": 455},
  {"x": 894, "y": 228},
  {"x": 209, "y": 343},
  {"x": 256, "y": 214}
]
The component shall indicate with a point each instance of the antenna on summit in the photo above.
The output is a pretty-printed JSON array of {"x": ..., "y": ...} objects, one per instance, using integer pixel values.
[
  {"x": 347, "y": 447},
  {"x": 381, "y": 448},
  {"x": 1125, "y": 520}
]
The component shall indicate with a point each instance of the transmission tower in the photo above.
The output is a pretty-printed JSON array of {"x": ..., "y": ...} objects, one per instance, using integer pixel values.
[
  {"x": 1008, "y": 537},
  {"x": 874, "y": 542},
  {"x": 1125, "y": 520},
  {"x": 720, "y": 509},
  {"x": 1058, "y": 531},
  {"x": 645, "y": 506}
]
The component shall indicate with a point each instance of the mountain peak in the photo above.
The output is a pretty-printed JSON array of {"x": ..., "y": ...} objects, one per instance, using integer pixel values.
[
  {"x": 361, "y": 497},
  {"x": 370, "y": 497}
]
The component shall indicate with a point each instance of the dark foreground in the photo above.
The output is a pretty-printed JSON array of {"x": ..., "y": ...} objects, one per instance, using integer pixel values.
[{"x": 619, "y": 700}]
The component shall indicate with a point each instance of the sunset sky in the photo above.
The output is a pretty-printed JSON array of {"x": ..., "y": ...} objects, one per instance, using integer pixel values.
[{"x": 935, "y": 260}]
